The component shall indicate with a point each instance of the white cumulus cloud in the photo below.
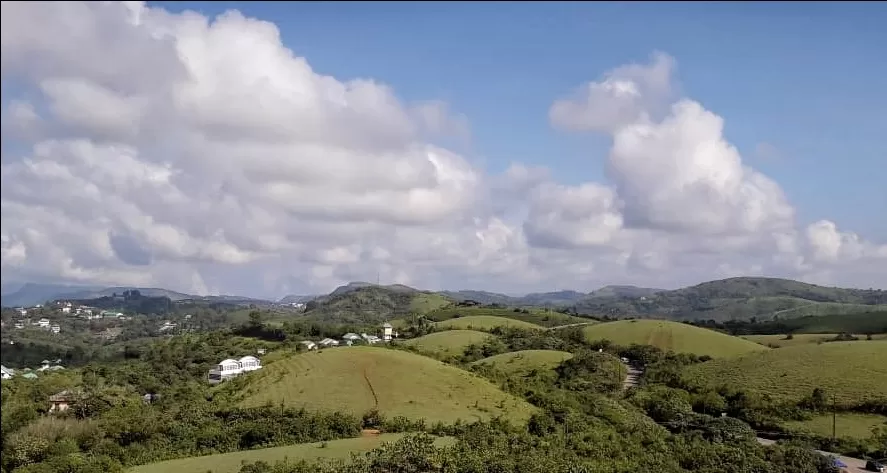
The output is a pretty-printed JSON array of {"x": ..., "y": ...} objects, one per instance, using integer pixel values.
[{"x": 143, "y": 147}]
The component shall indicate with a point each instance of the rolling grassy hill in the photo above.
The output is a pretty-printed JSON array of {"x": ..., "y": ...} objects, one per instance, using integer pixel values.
[
  {"x": 231, "y": 462},
  {"x": 425, "y": 302},
  {"x": 851, "y": 371},
  {"x": 484, "y": 322},
  {"x": 398, "y": 383},
  {"x": 780, "y": 341},
  {"x": 448, "y": 343},
  {"x": 524, "y": 361},
  {"x": 531, "y": 315},
  {"x": 672, "y": 336}
]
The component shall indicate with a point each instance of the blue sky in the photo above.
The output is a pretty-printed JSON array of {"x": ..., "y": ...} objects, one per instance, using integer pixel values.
[{"x": 807, "y": 78}]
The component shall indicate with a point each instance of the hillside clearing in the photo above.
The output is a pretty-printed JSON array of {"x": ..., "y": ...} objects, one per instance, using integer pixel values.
[
  {"x": 484, "y": 322},
  {"x": 357, "y": 379},
  {"x": 850, "y": 371},
  {"x": 424, "y": 303},
  {"x": 671, "y": 336},
  {"x": 448, "y": 343},
  {"x": 780, "y": 341},
  {"x": 231, "y": 462},
  {"x": 846, "y": 425},
  {"x": 535, "y": 316},
  {"x": 524, "y": 361}
]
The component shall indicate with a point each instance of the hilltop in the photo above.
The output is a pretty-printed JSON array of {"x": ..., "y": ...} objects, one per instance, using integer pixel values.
[
  {"x": 398, "y": 383},
  {"x": 671, "y": 336}
]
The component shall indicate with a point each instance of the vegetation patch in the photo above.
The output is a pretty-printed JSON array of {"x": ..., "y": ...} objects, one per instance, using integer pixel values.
[
  {"x": 397, "y": 383},
  {"x": 537, "y": 316},
  {"x": 671, "y": 336},
  {"x": 846, "y": 425},
  {"x": 484, "y": 322},
  {"x": 852, "y": 372},
  {"x": 448, "y": 343},
  {"x": 232, "y": 462},
  {"x": 525, "y": 361}
]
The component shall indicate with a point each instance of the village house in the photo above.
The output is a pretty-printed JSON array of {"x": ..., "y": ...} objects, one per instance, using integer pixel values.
[
  {"x": 387, "y": 332},
  {"x": 309, "y": 345},
  {"x": 55, "y": 328},
  {"x": 167, "y": 326},
  {"x": 43, "y": 323},
  {"x": 328, "y": 342},
  {"x": 61, "y": 402},
  {"x": 6, "y": 373}
]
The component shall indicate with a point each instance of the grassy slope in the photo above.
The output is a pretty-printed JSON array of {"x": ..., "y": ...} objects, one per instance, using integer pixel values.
[
  {"x": 779, "y": 341},
  {"x": 846, "y": 425},
  {"x": 353, "y": 378},
  {"x": 533, "y": 316},
  {"x": 851, "y": 371},
  {"x": 483, "y": 322},
  {"x": 672, "y": 336},
  {"x": 423, "y": 303},
  {"x": 231, "y": 462},
  {"x": 521, "y": 362},
  {"x": 450, "y": 342}
]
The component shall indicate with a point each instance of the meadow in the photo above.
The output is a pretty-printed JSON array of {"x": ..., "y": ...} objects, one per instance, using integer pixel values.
[
  {"x": 447, "y": 343},
  {"x": 397, "y": 383},
  {"x": 851, "y": 372},
  {"x": 524, "y": 361},
  {"x": 231, "y": 462},
  {"x": 537, "y": 316},
  {"x": 484, "y": 323},
  {"x": 671, "y": 336},
  {"x": 779, "y": 341},
  {"x": 847, "y": 424}
]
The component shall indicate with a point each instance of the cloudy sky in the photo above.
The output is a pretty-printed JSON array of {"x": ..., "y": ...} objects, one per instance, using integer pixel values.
[{"x": 266, "y": 149}]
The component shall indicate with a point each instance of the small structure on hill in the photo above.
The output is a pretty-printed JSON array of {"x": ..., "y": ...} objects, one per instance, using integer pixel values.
[
  {"x": 328, "y": 342},
  {"x": 231, "y": 368},
  {"x": 387, "y": 332},
  {"x": 62, "y": 401},
  {"x": 6, "y": 373},
  {"x": 309, "y": 345}
]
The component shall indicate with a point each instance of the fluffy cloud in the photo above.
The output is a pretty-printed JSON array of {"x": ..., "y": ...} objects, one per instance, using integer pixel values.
[{"x": 149, "y": 148}]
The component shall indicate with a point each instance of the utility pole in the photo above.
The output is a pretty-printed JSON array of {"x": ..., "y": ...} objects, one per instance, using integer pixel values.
[{"x": 834, "y": 419}]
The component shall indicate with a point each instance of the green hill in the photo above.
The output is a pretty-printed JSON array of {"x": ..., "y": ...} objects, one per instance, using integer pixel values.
[
  {"x": 536, "y": 316},
  {"x": 673, "y": 336},
  {"x": 780, "y": 341},
  {"x": 524, "y": 361},
  {"x": 231, "y": 462},
  {"x": 449, "y": 342},
  {"x": 484, "y": 322},
  {"x": 398, "y": 383},
  {"x": 851, "y": 371},
  {"x": 740, "y": 298}
]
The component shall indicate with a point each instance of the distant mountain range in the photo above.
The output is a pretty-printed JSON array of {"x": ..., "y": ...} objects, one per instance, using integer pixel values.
[{"x": 734, "y": 298}]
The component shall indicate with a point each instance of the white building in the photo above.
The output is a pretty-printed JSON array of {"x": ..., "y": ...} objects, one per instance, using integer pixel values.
[
  {"x": 55, "y": 328},
  {"x": 329, "y": 342},
  {"x": 231, "y": 368},
  {"x": 167, "y": 326},
  {"x": 24, "y": 312},
  {"x": 6, "y": 373},
  {"x": 43, "y": 323},
  {"x": 387, "y": 332},
  {"x": 309, "y": 344}
]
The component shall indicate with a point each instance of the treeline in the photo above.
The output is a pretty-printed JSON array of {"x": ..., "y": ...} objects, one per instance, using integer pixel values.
[{"x": 860, "y": 323}]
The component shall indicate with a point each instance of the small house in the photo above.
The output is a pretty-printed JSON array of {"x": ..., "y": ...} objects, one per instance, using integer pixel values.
[
  {"x": 329, "y": 342},
  {"x": 309, "y": 345},
  {"x": 55, "y": 328},
  {"x": 387, "y": 332},
  {"x": 226, "y": 369},
  {"x": 6, "y": 373},
  {"x": 372, "y": 339},
  {"x": 351, "y": 336},
  {"x": 43, "y": 323},
  {"x": 29, "y": 376},
  {"x": 62, "y": 401}
]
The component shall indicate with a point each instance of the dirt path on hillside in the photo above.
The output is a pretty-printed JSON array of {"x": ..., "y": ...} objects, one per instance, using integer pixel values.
[{"x": 372, "y": 390}]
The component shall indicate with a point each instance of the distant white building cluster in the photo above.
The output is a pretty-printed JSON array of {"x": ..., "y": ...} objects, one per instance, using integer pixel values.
[
  {"x": 61, "y": 308},
  {"x": 350, "y": 339},
  {"x": 231, "y": 368},
  {"x": 28, "y": 373}
]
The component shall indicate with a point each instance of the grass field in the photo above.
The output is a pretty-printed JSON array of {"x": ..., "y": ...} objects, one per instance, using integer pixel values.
[
  {"x": 424, "y": 303},
  {"x": 850, "y": 371},
  {"x": 522, "y": 362},
  {"x": 483, "y": 322},
  {"x": 779, "y": 341},
  {"x": 231, "y": 462},
  {"x": 357, "y": 379},
  {"x": 450, "y": 342},
  {"x": 672, "y": 336},
  {"x": 846, "y": 425},
  {"x": 532, "y": 315}
]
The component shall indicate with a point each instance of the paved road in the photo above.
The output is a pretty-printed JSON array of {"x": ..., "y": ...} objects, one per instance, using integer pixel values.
[{"x": 854, "y": 465}]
